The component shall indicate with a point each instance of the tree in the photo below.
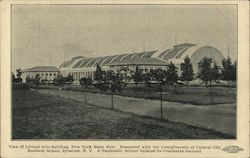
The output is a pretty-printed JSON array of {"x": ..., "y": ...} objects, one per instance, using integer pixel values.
[
  {"x": 69, "y": 79},
  {"x": 234, "y": 72},
  {"x": 18, "y": 73},
  {"x": 216, "y": 72},
  {"x": 171, "y": 74},
  {"x": 98, "y": 76},
  {"x": 124, "y": 73},
  {"x": 227, "y": 70},
  {"x": 116, "y": 83},
  {"x": 205, "y": 70},
  {"x": 85, "y": 82},
  {"x": 18, "y": 78},
  {"x": 13, "y": 77},
  {"x": 148, "y": 77},
  {"x": 138, "y": 75},
  {"x": 187, "y": 70},
  {"x": 28, "y": 79},
  {"x": 108, "y": 80},
  {"x": 37, "y": 80},
  {"x": 59, "y": 80},
  {"x": 101, "y": 78},
  {"x": 159, "y": 76}
]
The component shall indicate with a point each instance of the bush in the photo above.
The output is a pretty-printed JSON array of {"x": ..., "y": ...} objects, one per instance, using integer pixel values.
[
  {"x": 102, "y": 86},
  {"x": 20, "y": 86}
]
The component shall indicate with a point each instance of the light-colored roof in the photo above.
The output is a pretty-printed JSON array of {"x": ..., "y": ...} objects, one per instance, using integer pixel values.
[
  {"x": 176, "y": 52},
  {"x": 42, "y": 69},
  {"x": 81, "y": 62},
  {"x": 141, "y": 61},
  {"x": 163, "y": 56}
]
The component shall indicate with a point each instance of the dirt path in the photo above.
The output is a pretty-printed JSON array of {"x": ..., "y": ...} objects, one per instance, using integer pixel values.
[{"x": 217, "y": 117}]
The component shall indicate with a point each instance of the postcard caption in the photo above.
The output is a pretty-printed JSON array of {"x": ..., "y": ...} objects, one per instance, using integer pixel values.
[{"x": 113, "y": 148}]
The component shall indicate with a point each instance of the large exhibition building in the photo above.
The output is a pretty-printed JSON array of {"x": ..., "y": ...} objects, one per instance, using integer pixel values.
[{"x": 85, "y": 67}]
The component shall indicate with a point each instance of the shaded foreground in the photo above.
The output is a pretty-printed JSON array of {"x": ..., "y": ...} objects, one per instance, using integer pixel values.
[{"x": 40, "y": 116}]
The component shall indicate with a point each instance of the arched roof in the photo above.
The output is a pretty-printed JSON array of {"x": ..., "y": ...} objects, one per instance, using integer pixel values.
[
  {"x": 208, "y": 49},
  {"x": 175, "y": 54},
  {"x": 105, "y": 60},
  {"x": 179, "y": 52}
]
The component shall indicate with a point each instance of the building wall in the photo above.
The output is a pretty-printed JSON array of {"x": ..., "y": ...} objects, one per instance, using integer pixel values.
[
  {"x": 43, "y": 75},
  {"x": 89, "y": 72},
  {"x": 209, "y": 52},
  {"x": 81, "y": 72},
  {"x": 195, "y": 53},
  {"x": 144, "y": 68}
]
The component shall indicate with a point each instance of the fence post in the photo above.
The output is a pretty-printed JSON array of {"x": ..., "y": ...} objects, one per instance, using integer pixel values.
[
  {"x": 85, "y": 95},
  {"x": 68, "y": 91},
  {"x": 84, "y": 92},
  {"x": 112, "y": 106},
  {"x": 211, "y": 96}
]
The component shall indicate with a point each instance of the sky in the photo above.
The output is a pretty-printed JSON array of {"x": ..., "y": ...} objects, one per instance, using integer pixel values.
[{"x": 44, "y": 34}]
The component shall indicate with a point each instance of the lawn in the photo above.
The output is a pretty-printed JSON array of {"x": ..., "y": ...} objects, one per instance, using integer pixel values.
[
  {"x": 192, "y": 95},
  {"x": 40, "y": 116}
]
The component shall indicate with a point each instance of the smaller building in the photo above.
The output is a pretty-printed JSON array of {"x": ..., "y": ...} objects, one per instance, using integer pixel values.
[{"x": 46, "y": 73}]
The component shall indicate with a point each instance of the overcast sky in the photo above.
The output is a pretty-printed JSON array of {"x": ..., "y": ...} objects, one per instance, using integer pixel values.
[{"x": 41, "y": 31}]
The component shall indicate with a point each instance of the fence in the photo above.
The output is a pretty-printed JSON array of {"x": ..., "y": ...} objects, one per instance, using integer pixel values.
[{"x": 221, "y": 117}]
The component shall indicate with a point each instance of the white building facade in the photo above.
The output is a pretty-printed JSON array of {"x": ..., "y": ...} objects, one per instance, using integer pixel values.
[{"x": 46, "y": 73}]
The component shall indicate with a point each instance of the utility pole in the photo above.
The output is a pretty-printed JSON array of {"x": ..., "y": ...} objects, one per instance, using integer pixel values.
[
  {"x": 143, "y": 45},
  {"x": 50, "y": 60},
  {"x": 68, "y": 90},
  {"x": 175, "y": 48},
  {"x": 112, "y": 100},
  {"x": 85, "y": 94},
  {"x": 228, "y": 47},
  {"x": 63, "y": 56}
]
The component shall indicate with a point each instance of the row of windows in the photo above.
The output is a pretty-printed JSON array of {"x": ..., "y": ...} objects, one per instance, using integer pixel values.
[
  {"x": 79, "y": 75},
  {"x": 45, "y": 74},
  {"x": 143, "y": 68}
]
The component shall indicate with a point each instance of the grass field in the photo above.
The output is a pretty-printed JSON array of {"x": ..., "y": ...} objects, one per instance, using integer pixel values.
[
  {"x": 193, "y": 95},
  {"x": 40, "y": 116}
]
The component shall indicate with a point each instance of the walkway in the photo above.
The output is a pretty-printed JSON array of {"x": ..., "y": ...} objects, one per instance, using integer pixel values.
[{"x": 218, "y": 117}]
